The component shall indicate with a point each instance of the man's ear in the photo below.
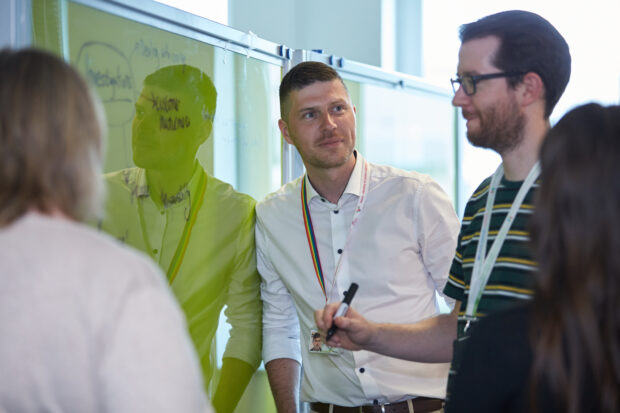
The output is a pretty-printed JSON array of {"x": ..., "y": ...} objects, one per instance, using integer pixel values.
[
  {"x": 284, "y": 129},
  {"x": 533, "y": 88},
  {"x": 202, "y": 134},
  {"x": 208, "y": 129}
]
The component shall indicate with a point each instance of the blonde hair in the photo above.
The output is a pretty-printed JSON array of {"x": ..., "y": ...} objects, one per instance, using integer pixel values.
[{"x": 51, "y": 133}]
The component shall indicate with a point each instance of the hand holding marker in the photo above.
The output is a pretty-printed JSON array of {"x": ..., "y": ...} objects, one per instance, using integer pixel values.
[{"x": 342, "y": 309}]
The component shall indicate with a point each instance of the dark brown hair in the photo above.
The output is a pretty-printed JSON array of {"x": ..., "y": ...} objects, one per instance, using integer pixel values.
[
  {"x": 50, "y": 138},
  {"x": 302, "y": 75},
  {"x": 575, "y": 331},
  {"x": 528, "y": 43}
]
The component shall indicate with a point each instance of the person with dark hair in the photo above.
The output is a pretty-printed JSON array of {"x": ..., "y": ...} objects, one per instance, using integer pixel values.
[
  {"x": 198, "y": 229},
  {"x": 560, "y": 353},
  {"x": 86, "y": 324},
  {"x": 526, "y": 43},
  {"x": 346, "y": 220},
  {"x": 513, "y": 67},
  {"x": 317, "y": 341}
]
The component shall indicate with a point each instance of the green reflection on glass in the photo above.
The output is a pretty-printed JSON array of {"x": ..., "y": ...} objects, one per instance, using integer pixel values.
[
  {"x": 198, "y": 229},
  {"x": 116, "y": 54},
  {"x": 174, "y": 116}
]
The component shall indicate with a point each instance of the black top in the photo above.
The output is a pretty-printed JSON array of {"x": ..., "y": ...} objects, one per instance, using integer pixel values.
[{"x": 495, "y": 369}]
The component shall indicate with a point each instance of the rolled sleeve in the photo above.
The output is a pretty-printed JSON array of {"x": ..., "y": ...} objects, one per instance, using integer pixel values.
[
  {"x": 455, "y": 287},
  {"x": 439, "y": 228},
  {"x": 244, "y": 306},
  {"x": 280, "y": 322}
]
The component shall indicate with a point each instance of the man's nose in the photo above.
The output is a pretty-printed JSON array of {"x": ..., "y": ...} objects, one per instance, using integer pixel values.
[
  {"x": 460, "y": 98},
  {"x": 328, "y": 121}
]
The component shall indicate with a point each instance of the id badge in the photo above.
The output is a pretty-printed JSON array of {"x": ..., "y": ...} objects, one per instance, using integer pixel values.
[{"x": 317, "y": 346}]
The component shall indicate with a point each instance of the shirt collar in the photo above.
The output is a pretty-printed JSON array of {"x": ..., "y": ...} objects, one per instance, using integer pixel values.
[
  {"x": 142, "y": 187},
  {"x": 354, "y": 186}
]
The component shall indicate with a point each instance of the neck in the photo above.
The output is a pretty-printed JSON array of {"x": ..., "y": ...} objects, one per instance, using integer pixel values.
[
  {"x": 54, "y": 212},
  {"x": 330, "y": 183},
  {"x": 519, "y": 161},
  {"x": 165, "y": 183}
]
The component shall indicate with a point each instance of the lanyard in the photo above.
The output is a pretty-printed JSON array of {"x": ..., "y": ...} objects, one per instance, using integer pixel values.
[
  {"x": 310, "y": 235},
  {"x": 179, "y": 254},
  {"x": 483, "y": 265}
]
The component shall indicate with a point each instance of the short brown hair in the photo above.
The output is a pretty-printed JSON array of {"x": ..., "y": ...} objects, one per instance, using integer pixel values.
[
  {"x": 50, "y": 138},
  {"x": 528, "y": 43},
  {"x": 302, "y": 75}
]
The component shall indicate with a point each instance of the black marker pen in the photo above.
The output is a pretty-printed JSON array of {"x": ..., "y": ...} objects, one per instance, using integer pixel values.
[{"x": 342, "y": 309}]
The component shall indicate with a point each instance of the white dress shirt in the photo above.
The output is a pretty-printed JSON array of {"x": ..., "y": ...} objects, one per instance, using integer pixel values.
[
  {"x": 399, "y": 252},
  {"x": 89, "y": 326}
]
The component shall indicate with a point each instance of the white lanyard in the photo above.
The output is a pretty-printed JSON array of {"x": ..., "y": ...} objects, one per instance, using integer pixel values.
[{"x": 483, "y": 266}]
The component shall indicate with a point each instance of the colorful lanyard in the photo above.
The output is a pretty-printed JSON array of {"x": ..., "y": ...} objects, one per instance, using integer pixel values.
[
  {"x": 310, "y": 235},
  {"x": 484, "y": 265},
  {"x": 179, "y": 254}
]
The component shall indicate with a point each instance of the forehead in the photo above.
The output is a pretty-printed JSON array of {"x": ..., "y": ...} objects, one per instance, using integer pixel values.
[
  {"x": 476, "y": 55},
  {"x": 318, "y": 93}
]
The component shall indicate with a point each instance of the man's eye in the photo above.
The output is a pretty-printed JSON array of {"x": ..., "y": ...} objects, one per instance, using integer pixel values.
[{"x": 308, "y": 115}]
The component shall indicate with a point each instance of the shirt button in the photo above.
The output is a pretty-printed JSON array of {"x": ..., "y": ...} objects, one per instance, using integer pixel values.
[
  {"x": 339, "y": 250},
  {"x": 336, "y": 211},
  {"x": 323, "y": 199},
  {"x": 155, "y": 251},
  {"x": 362, "y": 370}
]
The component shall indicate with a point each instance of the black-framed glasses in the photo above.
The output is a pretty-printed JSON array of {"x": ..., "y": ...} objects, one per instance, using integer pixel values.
[{"x": 468, "y": 82}]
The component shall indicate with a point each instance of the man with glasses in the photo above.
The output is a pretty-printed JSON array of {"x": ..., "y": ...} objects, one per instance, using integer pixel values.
[{"x": 513, "y": 67}]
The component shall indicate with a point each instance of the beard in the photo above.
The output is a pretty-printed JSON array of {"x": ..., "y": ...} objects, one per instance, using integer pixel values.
[
  {"x": 500, "y": 128},
  {"x": 324, "y": 158}
]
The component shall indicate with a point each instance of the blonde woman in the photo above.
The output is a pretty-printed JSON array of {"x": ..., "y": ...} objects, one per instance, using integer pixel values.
[{"x": 85, "y": 324}]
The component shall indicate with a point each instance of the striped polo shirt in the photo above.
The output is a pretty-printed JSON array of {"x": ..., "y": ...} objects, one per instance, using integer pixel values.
[{"x": 511, "y": 278}]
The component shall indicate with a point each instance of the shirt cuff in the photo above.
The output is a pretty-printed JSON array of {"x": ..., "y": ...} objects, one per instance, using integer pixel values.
[{"x": 281, "y": 343}]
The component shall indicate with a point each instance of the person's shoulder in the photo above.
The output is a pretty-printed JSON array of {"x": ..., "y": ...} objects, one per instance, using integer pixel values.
[
  {"x": 227, "y": 204},
  {"x": 112, "y": 262},
  {"x": 121, "y": 181},
  {"x": 103, "y": 256},
  {"x": 379, "y": 171},
  {"x": 477, "y": 198},
  {"x": 106, "y": 250},
  {"x": 281, "y": 197},
  {"x": 218, "y": 189},
  {"x": 482, "y": 188},
  {"x": 409, "y": 182}
]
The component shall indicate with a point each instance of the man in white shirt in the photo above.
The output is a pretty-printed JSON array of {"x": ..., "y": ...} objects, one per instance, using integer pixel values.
[{"x": 392, "y": 232}]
